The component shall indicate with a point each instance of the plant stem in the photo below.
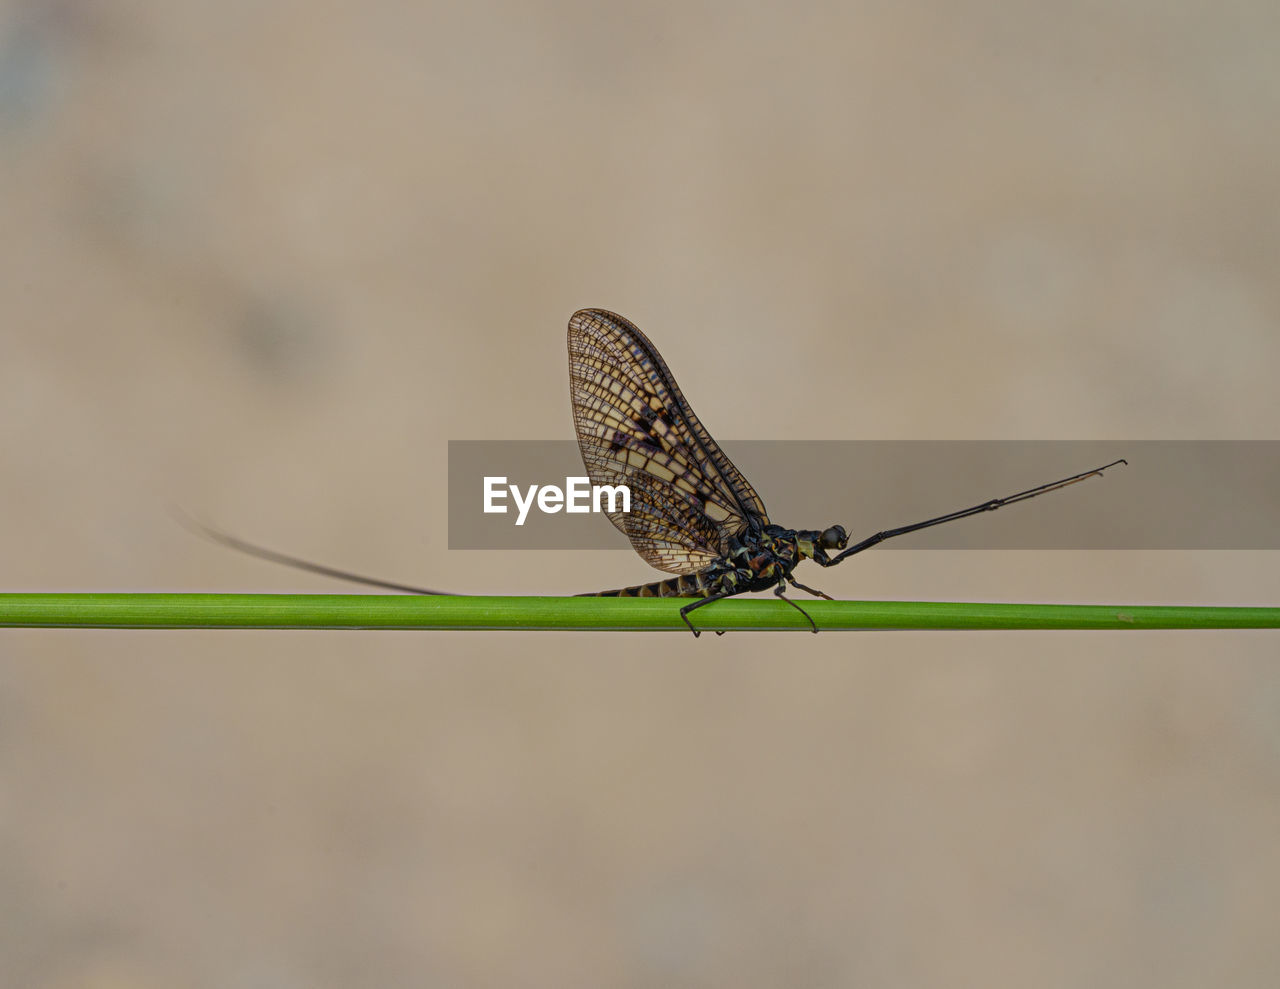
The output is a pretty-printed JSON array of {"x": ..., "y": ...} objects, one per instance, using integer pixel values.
[{"x": 368, "y": 611}]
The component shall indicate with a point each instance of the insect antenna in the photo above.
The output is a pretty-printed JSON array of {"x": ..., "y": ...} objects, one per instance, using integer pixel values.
[{"x": 986, "y": 506}]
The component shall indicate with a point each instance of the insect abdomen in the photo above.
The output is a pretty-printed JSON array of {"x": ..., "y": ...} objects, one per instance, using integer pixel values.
[{"x": 684, "y": 586}]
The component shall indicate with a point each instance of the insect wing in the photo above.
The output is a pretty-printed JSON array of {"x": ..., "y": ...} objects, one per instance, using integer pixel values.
[{"x": 635, "y": 427}]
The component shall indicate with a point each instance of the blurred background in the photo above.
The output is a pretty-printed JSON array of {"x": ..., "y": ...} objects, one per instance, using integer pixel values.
[{"x": 262, "y": 261}]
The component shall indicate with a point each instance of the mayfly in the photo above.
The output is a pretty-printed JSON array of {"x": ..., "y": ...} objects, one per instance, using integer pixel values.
[{"x": 693, "y": 513}]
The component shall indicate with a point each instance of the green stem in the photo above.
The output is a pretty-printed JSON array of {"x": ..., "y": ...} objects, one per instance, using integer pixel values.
[{"x": 300, "y": 611}]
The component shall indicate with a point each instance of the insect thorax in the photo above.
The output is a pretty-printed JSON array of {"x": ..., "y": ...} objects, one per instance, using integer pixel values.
[{"x": 758, "y": 558}]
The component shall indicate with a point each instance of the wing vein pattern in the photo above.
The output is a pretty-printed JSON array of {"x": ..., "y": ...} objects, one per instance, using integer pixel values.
[{"x": 635, "y": 427}]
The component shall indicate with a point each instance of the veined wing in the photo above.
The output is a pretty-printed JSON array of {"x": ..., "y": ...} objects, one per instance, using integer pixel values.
[{"x": 635, "y": 427}]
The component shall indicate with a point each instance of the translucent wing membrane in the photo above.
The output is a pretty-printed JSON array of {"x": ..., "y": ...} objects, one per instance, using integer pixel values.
[{"x": 635, "y": 427}]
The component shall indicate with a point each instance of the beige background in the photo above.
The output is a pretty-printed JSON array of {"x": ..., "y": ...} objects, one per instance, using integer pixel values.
[{"x": 263, "y": 261}]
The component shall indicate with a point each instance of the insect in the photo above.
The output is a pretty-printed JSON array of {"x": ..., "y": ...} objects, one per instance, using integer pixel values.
[{"x": 693, "y": 513}]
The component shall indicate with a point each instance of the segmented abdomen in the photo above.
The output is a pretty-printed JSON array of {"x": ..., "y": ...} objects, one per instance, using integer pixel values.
[{"x": 692, "y": 585}]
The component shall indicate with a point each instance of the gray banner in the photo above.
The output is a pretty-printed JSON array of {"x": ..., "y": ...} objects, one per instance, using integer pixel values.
[{"x": 1221, "y": 494}]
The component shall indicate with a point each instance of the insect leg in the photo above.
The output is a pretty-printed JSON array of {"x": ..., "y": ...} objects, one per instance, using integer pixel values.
[
  {"x": 986, "y": 506},
  {"x": 684, "y": 612},
  {"x": 817, "y": 594},
  {"x": 782, "y": 587}
]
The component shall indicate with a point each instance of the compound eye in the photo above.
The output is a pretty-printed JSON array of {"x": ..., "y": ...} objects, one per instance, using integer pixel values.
[{"x": 834, "y": 538}]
